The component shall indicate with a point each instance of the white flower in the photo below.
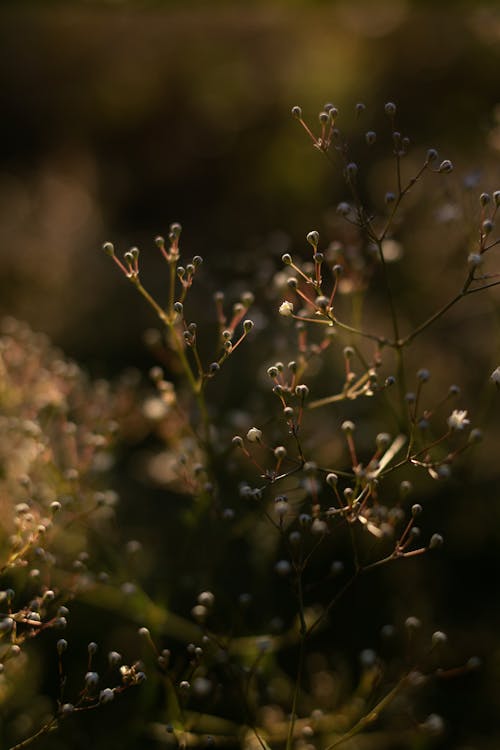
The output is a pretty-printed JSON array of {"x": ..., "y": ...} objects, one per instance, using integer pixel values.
[
  {"x": 286, "y": 309},
  {"x": 495, "y": 377},
  {"x": 458, "y": 420},
  {"x": 254, "y": 435}
]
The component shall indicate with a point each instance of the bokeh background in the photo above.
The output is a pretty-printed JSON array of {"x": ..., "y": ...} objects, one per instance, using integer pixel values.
[{"x": 118, "y": 118}]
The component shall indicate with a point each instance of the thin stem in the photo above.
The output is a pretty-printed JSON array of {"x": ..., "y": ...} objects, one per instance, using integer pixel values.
[{"x": 45, "y": 729}]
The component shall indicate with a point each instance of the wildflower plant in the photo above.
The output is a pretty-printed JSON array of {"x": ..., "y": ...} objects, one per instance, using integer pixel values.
[
  {"x": 282, "y": 506},
  {"x": 304, "y": 495}
]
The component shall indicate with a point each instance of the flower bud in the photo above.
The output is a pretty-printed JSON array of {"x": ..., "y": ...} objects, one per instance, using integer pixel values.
[
  {"x": 313, "y": 238},
  {"x": 297, "y": 112},
  {"x": 445, "y": 167},
  {"x": 436, "y": 541}
]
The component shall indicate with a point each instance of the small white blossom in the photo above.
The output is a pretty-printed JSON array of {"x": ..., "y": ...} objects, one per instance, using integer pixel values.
[
  {"x": 458, "y": 420},
  {"x": 495, "y": 377},
  {"x": 254, "y": 435},
  {"x": 286, "y": 309}
]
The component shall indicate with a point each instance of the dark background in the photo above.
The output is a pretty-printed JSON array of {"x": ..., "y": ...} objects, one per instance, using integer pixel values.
[{"x": 118, "y": 118}]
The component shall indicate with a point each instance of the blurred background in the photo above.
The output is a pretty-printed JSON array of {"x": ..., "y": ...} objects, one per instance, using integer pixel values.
[{"x": 118, "y": 118}]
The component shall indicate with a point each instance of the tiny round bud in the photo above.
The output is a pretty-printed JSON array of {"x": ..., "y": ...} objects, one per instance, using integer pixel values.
[
  {"x": 197, "y": 261},
  {"x": 390, "y": 109},
  {"x": 324, "y": 117},
  {"x": 475, "y": 436},
  {"x": 322, "y": 303},
  {"x": 55, "y": 507},
  {"x": 351, "y": 170},
  {"x": 297, "y": 112},
  {"x": 302, "y": 391},
  {"x": 432, "y": 155},
  {"x": 283, "y": 568},
  {"x": 178, "y": 308},
  {"x": 280, "y": 452},
  {"x": 313, "y": 238},
  {"x": 248, "y": 325},
  {"x": 61, "y": 646},
  {"x": 496, "y": 197},
  {"x": 348, "y": 427},
  {"x": 287, "y": 259},
  {"x": 144, "y": 632},
  {"x": 389, "y": 198},
  {"x": 348, "y": 352},
  {"x": 405, "y": 488},
  {"x": 92, "y": 648},
  {"x": 206, "y": 598},
  {"x": 423, "y": 375},
  {"x": 108, "y": 248},
  {"x": 484, "y": 199},
  {"x": 237, "y": 441},
  {"x": 439, "y": 638},
  {"x": 445, "y": 167},
  {"x": 382, "y": 440},
  {"x": 370, "y": 137},
  {"x": 332, "y": 479},
  {"x": 343, "y": 208},
  {"x": 114, "y": 658},
  {"x": 433, "y": 724},
  {"x": 106, "y": 695},
  {"x": 436, "y": 541},
  {"x": 487, "y": 226},
  {"x": 175, "y": 230},
  {"x": 67, "y": 708},
  {"x": 416, "y": 510},
  {"x": 288, "y": 412},
  {"x": 412, "y": 623},
  {"x": 91, "y": 680},
  {"x": 310, "y": 467},
  {"x": 360, "y": 107},
  {"x": 305, "y": 519}
]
